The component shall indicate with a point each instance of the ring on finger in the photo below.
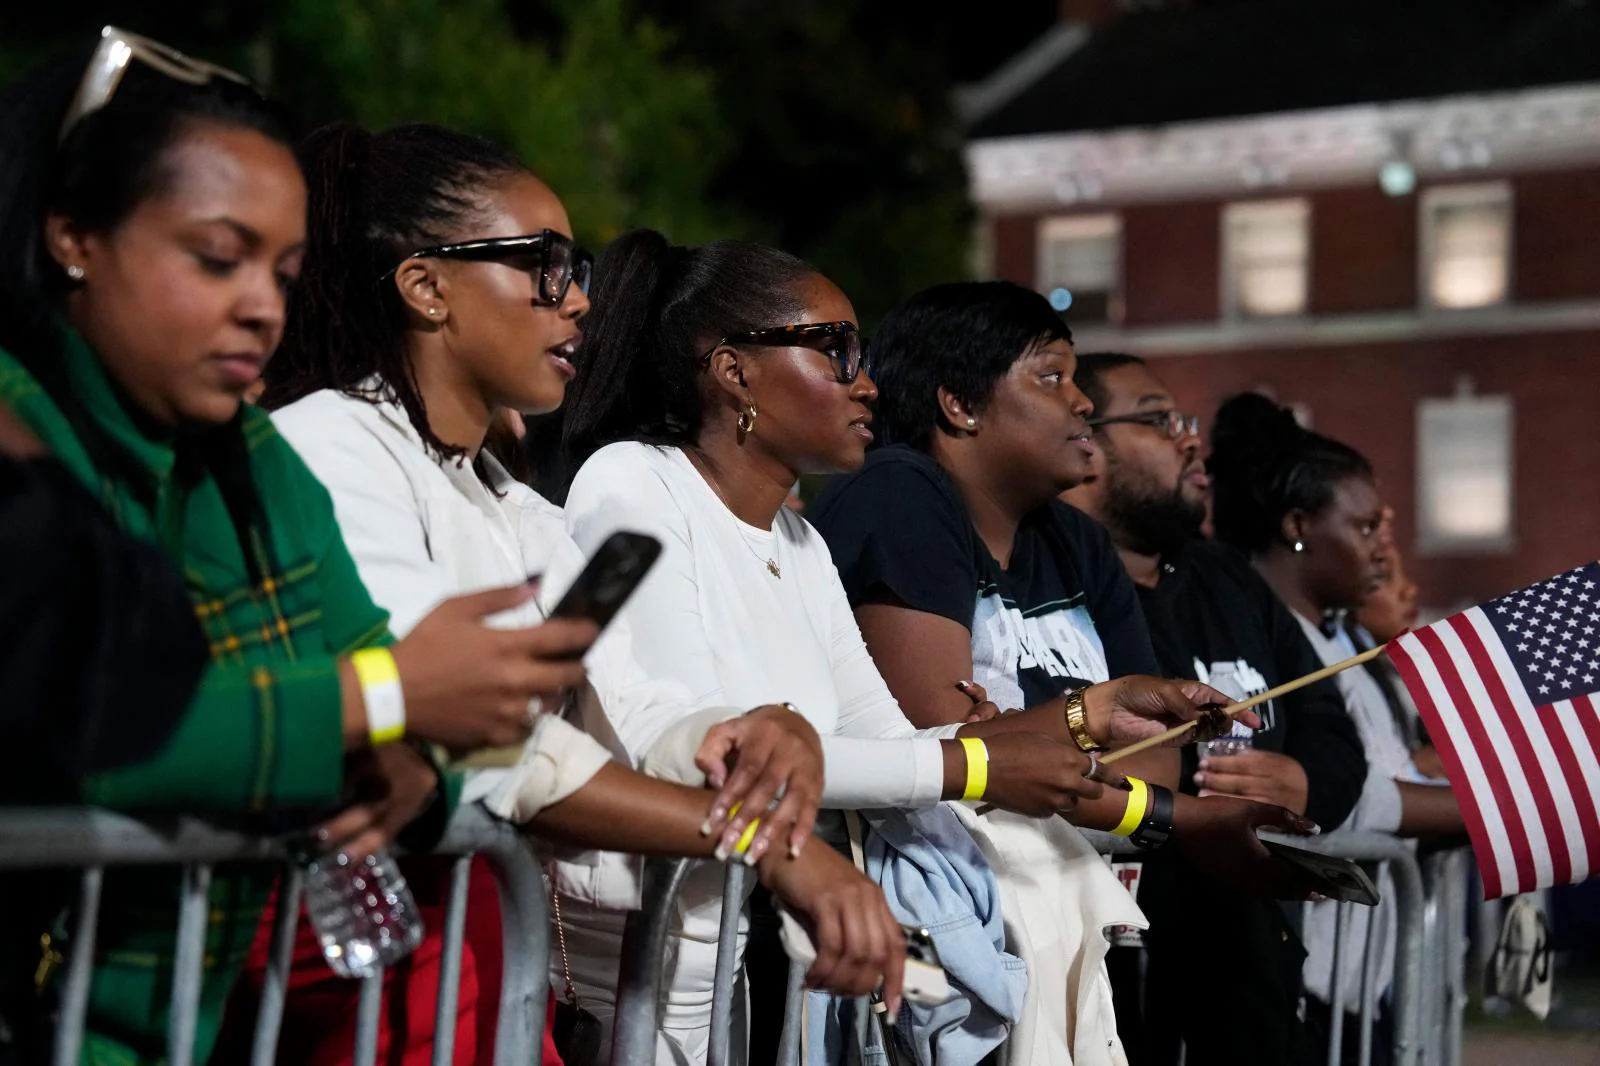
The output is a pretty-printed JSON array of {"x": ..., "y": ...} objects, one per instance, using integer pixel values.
[{"x": 1093, "y": 773}]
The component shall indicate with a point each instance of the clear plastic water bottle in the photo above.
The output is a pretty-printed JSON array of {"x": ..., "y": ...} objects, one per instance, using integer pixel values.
[
  {"x": 362, "y": 911},
  {"x": 1225, "y": 679}
]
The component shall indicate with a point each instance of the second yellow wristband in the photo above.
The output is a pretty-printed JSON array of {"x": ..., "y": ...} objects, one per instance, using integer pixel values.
[{"x": 977, "y": 768}]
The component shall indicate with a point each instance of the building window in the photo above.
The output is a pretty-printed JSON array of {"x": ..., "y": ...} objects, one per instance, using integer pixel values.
[
  {"x": 1080, "y": 266},
  {"x": 1466, "y": 246},
  {"x": 1464, "y": 474},
  {"x": 1266, "y": 254}
]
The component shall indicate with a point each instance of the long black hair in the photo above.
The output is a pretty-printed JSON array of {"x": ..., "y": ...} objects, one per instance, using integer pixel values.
[
  {"x": 112, "y": 160},
  {"x": 962, "y": 336},
  {"x": 1264, "y": 464},
  {"x": 657, "y": 308},
  {"x": 374, "y": 199}
]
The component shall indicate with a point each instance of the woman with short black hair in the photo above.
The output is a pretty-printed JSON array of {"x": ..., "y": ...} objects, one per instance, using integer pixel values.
[{"x": 960, "y": 562}]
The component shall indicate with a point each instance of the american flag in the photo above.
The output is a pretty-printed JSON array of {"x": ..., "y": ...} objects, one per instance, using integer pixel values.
[{"x": 1510, "y": 691}]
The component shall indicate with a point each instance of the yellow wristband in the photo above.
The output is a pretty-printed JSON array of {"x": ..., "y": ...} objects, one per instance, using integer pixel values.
[
  {"x": 380, "y": 691},
  {"x": 977, "y": 768},
  {"x": 1138, "y": 804}
]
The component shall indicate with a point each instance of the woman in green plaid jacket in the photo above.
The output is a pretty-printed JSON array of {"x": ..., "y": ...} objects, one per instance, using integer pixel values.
[{"x": 151, "y": 222}]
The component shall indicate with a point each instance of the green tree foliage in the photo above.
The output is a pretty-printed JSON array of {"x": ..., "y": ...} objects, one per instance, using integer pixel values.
[
  {"x": 845, "y": 144},
  {"x": 626, "y": 134},
  {"x": 820, "y": 126}
]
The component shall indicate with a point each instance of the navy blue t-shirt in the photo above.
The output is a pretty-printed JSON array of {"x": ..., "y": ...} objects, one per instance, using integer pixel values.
[{"x": 1063, "y": 613}]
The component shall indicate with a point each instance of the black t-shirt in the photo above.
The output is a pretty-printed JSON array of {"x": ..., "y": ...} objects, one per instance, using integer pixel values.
[
  {"x": 1214, "y": 619},
  {"x": 1061, "y": 614}
]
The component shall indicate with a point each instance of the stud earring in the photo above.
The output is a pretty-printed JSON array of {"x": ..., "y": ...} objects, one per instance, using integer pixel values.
[
  {"x": 433, "y": 312},
  {"x": 746, "y": 420},
  {"x": 971, "y": 421},
  {"x": 1299, "y": 546},
  {"x": 75, "y": 272}
]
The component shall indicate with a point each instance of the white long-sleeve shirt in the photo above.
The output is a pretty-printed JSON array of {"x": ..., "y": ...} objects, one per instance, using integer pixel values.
[
  {"x": 713, "y": 617},
  {"x": 423, "y": 530},
  {"x": 1377, "y": 810}
]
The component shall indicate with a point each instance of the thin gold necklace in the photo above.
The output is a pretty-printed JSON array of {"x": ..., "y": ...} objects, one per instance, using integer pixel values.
[{"x": 711, "y": 479}]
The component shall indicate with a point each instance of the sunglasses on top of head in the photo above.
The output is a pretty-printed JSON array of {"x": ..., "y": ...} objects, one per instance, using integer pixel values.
[
  {"x": 115, "y": 55},
  {"x": 553, "y": 260},
  {"x": 841, "y": 342}
]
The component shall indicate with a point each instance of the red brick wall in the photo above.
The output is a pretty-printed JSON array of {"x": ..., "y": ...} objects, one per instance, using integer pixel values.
[
  {"x": 1363, "y": 251},
  {"x": 1016, "y": 242},
  {"x": 1364, "y": 259},
  {"x": 1366, "y": 395},
  {"x": 1170, "y": 258},
  {"x": 1557, "y": 223}
]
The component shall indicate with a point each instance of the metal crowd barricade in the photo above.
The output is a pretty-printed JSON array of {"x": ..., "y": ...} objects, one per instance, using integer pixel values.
[
  {"x": 644, "y": 943},
  {"x": 93, "y": 840},
  {"x": 1427, "y": 1000},
  {"x": 1411, "y": 1016}
]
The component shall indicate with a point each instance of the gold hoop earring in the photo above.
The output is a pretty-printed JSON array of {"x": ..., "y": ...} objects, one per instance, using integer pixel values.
[{"x": 747, "y": 419}]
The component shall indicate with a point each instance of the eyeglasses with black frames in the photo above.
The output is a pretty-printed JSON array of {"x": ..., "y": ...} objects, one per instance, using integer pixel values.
[
  {"x": 552, "y": 259},
  {"x": 1175, "y": 424},
  {"x": 841, "y": 342},
  {"x": 109, "y": 65}
]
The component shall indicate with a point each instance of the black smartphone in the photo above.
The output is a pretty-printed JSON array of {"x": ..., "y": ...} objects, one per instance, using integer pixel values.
[
  {"x": 1330, "y": 875},
  {"x": 609, "y": 578}
]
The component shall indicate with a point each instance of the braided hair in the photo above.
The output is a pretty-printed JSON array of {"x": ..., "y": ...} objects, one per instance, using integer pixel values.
[{"x": 374, "y": 199}]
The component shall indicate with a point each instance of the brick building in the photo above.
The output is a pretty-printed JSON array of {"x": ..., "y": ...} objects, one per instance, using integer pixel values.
[{"x": 1386, "y": 214}]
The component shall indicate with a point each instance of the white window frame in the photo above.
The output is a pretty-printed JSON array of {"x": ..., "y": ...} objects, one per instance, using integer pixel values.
[
  {"x": 1054, "y": 227},
  {"x": 1488, "y": 192},
  {"x": 1292, "y": 206},
  {"x": 1489, "y": 423}
]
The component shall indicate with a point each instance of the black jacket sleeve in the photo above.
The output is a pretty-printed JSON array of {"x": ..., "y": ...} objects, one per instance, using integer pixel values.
[{"x": 100, "y": 651}]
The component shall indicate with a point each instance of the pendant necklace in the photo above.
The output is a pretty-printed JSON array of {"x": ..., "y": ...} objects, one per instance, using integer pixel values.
[{"x": 711, "y": 479}]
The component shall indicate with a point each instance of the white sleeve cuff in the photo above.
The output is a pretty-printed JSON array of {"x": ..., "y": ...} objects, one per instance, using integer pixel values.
[
  {"x": 864, "y": 773},
  {"x": 557, "y": 760}
]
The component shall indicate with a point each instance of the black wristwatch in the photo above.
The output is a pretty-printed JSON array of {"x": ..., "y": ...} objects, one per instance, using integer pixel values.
[{"x": 1155, "y": 828}]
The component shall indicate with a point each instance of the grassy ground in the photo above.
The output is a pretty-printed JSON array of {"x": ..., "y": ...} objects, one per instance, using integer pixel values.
[{"x": 1569, "y": 1037}]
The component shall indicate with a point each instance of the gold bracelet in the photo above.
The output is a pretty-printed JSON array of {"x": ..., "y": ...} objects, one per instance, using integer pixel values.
[{"x": 1078, "y": 721}]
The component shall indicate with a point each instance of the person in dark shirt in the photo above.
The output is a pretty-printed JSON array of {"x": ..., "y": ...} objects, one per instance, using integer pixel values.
[
  {"x": 961, "y": 562},
  {"x": 1213, "y": 618}
]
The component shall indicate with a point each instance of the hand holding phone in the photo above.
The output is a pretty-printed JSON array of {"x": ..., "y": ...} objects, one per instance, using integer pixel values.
[{"x": 611, "y": 575}]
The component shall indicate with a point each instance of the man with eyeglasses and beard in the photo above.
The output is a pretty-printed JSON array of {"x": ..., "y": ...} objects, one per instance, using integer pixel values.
[{"x": 1212, "y": 618}]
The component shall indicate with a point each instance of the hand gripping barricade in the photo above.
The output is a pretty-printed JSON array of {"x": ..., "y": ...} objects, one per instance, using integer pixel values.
[{"x": 91, "y": 840}]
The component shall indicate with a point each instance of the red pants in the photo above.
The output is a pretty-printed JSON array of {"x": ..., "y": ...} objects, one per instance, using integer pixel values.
[{"x": 319, "y": 1020}]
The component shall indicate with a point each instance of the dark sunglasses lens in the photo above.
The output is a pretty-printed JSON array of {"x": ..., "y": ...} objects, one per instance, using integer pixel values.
[{"x": 847, "y": 350}]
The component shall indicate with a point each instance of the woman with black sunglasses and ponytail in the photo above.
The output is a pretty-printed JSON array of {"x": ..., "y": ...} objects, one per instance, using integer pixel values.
[
  {"x": 152, "y": 222},
  {"x": 714, "y": 377},
  {"x": 441, "y": 291}
]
